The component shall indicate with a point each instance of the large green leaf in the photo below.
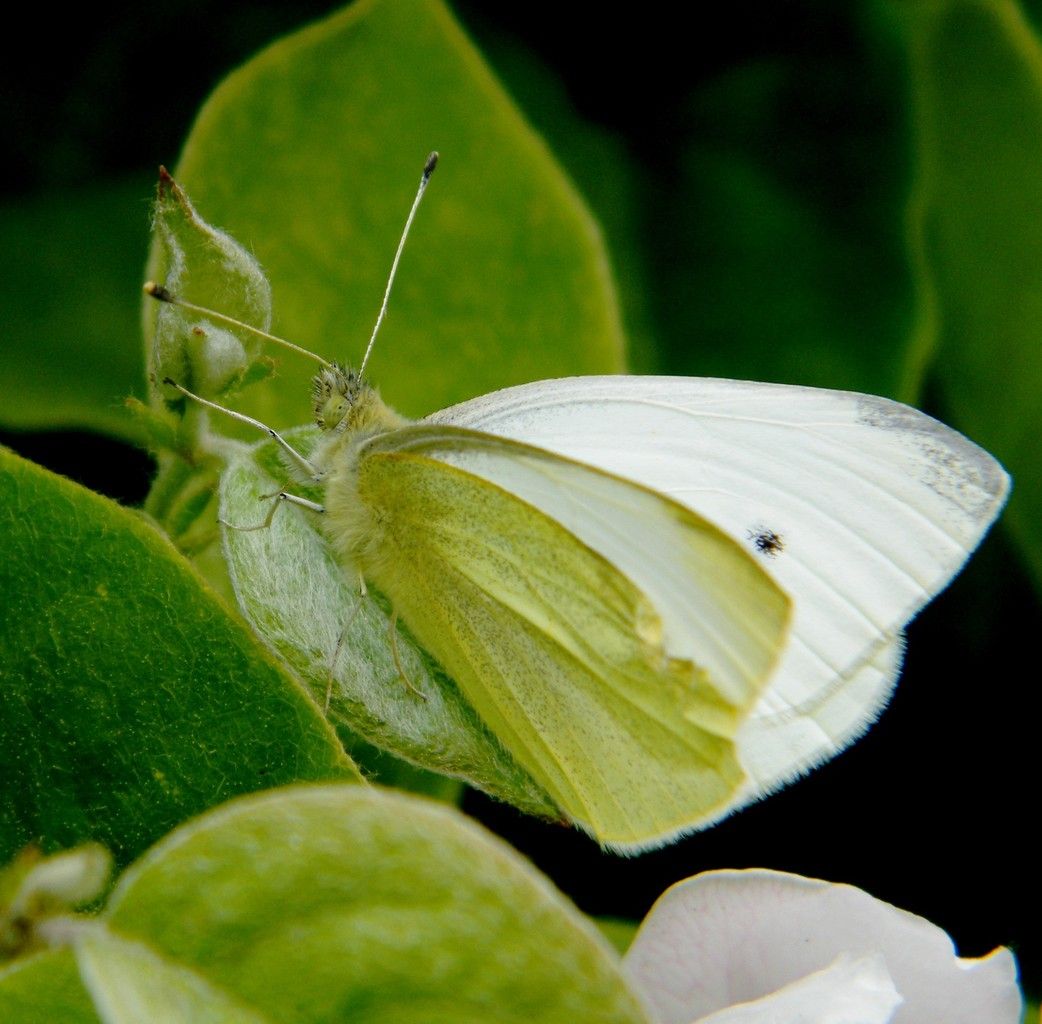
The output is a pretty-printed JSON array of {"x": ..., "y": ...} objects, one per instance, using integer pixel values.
[
  {"x": 976, "y": 229},
  {"x": 131, "y": 698},
  {"x": 70, "y": 291},
  {"x": 310, "y": 154},
  {"x": 344, "y": 903},
  {"x": 324, "y": 904}
]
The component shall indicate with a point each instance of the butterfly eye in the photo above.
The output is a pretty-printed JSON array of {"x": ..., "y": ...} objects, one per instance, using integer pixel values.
[
  {"x": 332, "y": 411},
  {"x": 334, "y": 391}
]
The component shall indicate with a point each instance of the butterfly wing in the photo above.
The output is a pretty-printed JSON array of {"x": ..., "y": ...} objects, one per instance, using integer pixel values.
[
  {"x": 612, "y": 639},
  {"x": 861, "y": 508}
]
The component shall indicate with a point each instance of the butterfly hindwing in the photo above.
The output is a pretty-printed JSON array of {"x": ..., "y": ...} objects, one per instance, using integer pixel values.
[{"x": 562, "y": 653}]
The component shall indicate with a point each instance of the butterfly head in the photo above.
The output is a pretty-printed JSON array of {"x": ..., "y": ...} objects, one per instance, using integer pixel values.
[
  {"x": 335, "y": 390},
  {"x": 344, "y": 402}
]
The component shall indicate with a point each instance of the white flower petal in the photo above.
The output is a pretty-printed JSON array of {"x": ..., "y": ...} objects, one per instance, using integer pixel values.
[
  {"x": 847, "y": 992},
  {"x": 730, "y": 937}
]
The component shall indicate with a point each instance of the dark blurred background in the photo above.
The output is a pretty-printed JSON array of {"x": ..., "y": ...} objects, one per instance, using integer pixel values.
[{"x": 932, "y": 810}]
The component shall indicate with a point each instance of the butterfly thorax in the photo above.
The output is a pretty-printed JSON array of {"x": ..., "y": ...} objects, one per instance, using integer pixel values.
[{"x": 350, "y": 411}]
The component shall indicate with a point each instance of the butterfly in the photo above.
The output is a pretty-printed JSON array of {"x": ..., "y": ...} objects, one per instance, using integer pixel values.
[
  {"x": 860, "y": 510},
  {"x": 664, "y": 596}
]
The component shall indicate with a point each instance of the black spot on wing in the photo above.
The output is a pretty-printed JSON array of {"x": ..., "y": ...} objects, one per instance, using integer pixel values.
[{"x": 766, "y": 541}]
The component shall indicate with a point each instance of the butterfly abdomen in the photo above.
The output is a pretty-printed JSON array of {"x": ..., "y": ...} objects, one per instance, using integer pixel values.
[{"x": 354, "y": 528}]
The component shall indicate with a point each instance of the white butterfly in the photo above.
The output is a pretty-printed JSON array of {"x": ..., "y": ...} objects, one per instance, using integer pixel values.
[
  {"x": 665, "y": 597},
  {"x": 862, "y": 509}
]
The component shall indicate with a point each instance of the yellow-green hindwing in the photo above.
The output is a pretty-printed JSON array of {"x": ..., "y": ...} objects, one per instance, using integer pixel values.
[{"x": 562, "y": 654}]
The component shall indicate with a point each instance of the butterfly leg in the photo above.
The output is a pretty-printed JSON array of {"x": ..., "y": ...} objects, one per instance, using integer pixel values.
[
  {"x": 393, "y": 634},
  {"x": 340, "y": 641},
  {"x": 282, "y": 496},
  {"x": 302, "y": 461}
]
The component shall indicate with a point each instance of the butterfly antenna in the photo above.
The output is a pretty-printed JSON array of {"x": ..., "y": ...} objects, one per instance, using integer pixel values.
[
  {"x": 428, "y": 170},
  {"x": 161, "y": 294}
]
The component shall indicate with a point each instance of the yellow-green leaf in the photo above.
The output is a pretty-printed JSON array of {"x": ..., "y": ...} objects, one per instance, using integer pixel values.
[{"x": 310, "y": 154}]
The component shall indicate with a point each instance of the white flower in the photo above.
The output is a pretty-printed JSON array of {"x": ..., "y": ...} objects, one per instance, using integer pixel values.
[{"x": 765, "y": 947}]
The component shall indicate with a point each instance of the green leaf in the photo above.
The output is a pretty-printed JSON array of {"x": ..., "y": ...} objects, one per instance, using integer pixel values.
[
  {"x": 310, "y": 155},
  {"x": 297, "y": 597},
  {"x": 976, "y": 230},
  {"x": 346, "y": 903},
  {"x": 70, "y": 290},
  {"x": 45, "y": 987},
  {"x": 131, "y": 698}
]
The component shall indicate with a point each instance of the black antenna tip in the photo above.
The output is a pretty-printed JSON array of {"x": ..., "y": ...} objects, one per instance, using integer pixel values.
[
  {"x": 432, "y": 162},
  {"x": 157, "y": 291}
]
